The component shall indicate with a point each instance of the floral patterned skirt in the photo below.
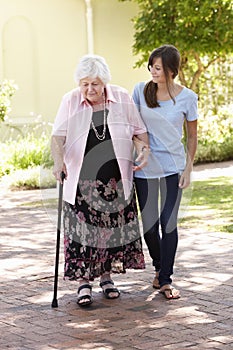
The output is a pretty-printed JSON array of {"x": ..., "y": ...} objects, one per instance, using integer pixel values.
[{"x": 101, "y": 231}]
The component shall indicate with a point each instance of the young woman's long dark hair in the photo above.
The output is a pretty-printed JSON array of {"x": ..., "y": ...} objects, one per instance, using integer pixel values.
[{"x": 170, "y": 57}]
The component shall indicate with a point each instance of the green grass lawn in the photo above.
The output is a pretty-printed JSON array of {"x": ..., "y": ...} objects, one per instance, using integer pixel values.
[
  {"x": 206, "y": 205},
  {"x": 210, "y": 206}
]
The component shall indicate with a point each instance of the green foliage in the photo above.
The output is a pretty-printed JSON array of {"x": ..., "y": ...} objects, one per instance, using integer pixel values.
[
  {"x": 26, "y": 160},
  {"x": 201, "y": 30},
  {"x": 30, "y": 148},
  {"x": 215, "y": 135},
  {"x": 215, "y": 125},
  {"x": 25, "y": 152},
  {"x": 214, "y": 152},
  {"x": 203, "y": 26},
  {"x": 215, "y": 88},
  {"x": 7, "y": 91},
  {"x": 203, "y": 33}
]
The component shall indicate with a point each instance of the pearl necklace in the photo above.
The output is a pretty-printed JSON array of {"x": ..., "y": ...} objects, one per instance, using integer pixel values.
[{"x": 101, "y": 137}]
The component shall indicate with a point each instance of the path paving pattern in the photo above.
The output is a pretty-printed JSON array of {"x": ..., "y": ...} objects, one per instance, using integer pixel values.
[{"x": 140, "y": 319}]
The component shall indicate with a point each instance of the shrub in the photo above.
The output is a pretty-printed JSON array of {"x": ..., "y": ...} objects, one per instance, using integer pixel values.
[
  {"x": 29, "y": 148},
  {"x": 24, "y": 153},
  {"x": 7, "y": 91},
  {"x": 26, "y": 160},
  {"x": 215, "y": 134},
  {"x": 31, "y": 178}
]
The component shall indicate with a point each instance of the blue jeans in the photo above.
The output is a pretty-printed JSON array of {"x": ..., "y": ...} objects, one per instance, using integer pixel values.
[{"x": 159, "y": 201}]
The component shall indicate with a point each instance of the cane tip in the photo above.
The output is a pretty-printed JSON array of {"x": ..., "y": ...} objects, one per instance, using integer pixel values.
[{"x": 54, "y": 303}]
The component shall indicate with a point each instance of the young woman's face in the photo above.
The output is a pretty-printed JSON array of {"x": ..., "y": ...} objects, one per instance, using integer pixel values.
[
  {"x": 92, "y": 89},
  {"x": 157, "y": 72}
]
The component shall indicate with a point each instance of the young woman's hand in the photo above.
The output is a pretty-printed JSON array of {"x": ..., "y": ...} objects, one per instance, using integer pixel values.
[
  {"x": 142, "y": 158},
  {"x": 185, "y": 179}
]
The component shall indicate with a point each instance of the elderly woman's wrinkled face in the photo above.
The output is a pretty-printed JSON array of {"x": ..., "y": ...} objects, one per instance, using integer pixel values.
[{"x": 92, "y": 89}]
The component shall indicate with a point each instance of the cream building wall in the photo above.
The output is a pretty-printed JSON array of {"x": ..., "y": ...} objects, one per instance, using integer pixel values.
[{"x": 42, "y": 41}]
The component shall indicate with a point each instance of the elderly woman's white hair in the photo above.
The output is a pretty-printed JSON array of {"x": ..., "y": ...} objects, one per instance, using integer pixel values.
[{"x": 92, "y": 66}]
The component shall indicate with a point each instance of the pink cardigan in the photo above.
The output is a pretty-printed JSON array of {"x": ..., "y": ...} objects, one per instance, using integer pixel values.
[{"x": 73, "y": 121}]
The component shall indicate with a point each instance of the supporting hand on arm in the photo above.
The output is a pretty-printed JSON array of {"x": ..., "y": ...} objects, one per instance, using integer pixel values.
[{"x": 141, "y": 144}]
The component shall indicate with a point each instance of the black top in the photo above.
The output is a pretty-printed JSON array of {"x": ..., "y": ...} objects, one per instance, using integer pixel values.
[{"x": 100, "y": 159}]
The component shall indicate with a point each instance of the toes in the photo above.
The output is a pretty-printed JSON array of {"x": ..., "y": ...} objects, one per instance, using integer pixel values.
[
  {"x": 170, "y": 292},
  {"x": 109, "y": 290},
  {"x": 84, "y": 295}
]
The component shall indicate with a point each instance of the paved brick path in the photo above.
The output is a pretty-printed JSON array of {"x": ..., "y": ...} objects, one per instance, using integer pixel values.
[{"x": 140, "y": 319}]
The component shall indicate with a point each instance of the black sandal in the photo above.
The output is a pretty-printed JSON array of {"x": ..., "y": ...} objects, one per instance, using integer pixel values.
[
  {"x": 85, "y": 296},
  {"x": 108, "y": 291}
]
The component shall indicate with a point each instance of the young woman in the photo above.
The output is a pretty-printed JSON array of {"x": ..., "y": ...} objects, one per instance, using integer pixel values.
[{"x": 165, "y": 106}]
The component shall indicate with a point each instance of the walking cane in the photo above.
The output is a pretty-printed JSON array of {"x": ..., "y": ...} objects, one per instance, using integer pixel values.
[{"x": 54, "y": 302}]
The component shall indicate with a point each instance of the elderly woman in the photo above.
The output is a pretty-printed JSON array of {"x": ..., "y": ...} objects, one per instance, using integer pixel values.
[{"x": 92, "y": 143}]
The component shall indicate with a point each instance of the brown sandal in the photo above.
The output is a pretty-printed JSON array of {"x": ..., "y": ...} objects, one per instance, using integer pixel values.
[{"x": 155, "y": 283}]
